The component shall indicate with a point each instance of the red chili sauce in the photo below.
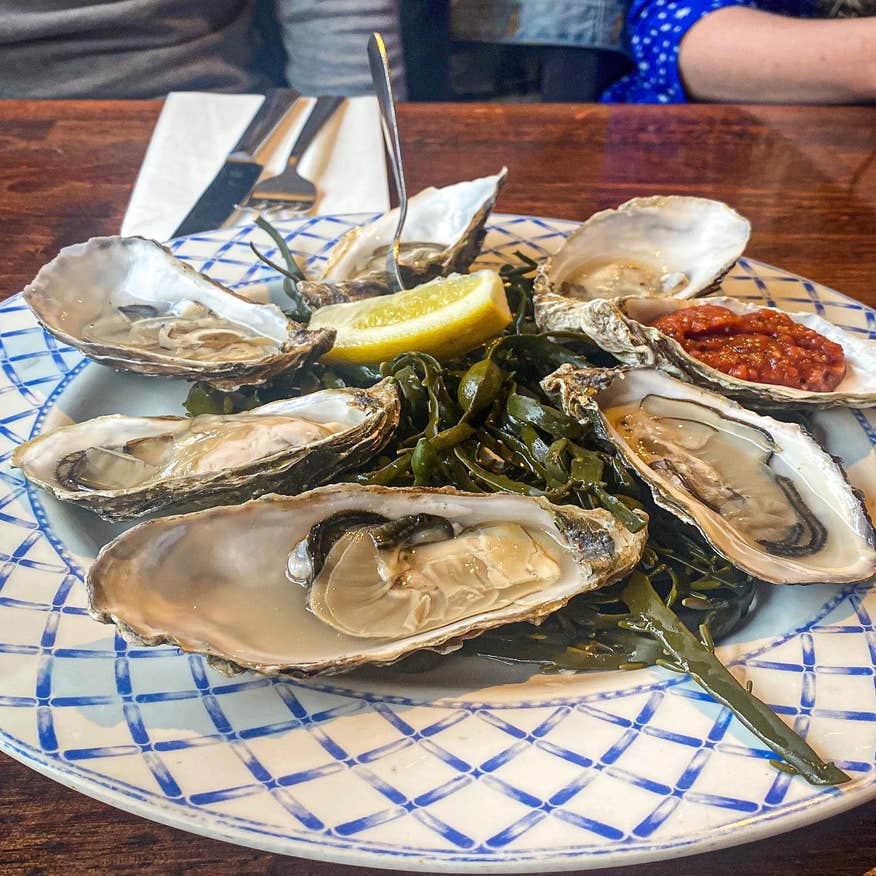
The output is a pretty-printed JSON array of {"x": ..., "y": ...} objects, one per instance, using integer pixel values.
[{"x": 764, "y": 346}]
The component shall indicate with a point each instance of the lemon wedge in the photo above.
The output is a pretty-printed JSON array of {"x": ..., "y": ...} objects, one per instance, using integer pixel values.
[{"x": 445, "y": 317}]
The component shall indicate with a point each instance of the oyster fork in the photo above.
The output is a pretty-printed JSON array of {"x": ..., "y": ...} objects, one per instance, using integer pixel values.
[
  {"x": 378, "y": 61},
  {"x": 288, "y": 190}
]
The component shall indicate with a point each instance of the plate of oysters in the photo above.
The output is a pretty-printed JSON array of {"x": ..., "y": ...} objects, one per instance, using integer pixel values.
[{"x": 558, "y": 558}]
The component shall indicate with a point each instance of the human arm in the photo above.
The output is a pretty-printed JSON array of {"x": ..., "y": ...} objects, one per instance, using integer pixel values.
[{"x": 743, "y": 55}]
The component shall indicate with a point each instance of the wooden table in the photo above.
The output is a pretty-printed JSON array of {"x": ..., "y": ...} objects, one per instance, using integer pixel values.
[{"x": 805, "y": 177}]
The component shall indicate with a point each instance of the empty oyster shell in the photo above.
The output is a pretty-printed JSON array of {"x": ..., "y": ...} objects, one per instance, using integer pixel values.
[
  {"x": 122, "y": 467},
  {"x": 761, "y": 491},
  {"x": 446, "y": 566},
  {"x": 659, "y": 246},
  {"x": 127, "y": 302},
  {"x": 621, "y": 328},
  {"x": 443, "y": 234}
]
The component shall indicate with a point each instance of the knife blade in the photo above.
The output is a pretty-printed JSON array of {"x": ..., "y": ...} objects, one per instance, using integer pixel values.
[{"x": 241, "y": 170}]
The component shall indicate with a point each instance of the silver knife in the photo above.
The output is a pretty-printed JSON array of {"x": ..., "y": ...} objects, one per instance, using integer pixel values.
[{"x": 238, "y": 175}]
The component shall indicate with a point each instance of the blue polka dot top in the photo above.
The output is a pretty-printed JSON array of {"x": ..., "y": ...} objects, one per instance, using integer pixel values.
[{"x": 655, "y": 29}]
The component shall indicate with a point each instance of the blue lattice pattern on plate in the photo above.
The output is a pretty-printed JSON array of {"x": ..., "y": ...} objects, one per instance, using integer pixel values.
[{"x": 562, "y": 772}]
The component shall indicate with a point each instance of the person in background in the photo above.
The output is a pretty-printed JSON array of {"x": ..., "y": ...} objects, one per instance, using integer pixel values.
[
  {"x": 553, "y": 50},
  {"x": 783, "y": 51},
  {"x": 147, "y": 48},
  {"x": 325, "y": 43}
]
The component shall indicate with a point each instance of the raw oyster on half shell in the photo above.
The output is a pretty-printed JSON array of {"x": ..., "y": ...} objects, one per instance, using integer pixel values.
[
  {"x": 671, "y": 245},
  {"x": 443, "y": 234},
  {"x": 122, "y": 467},
  {"x": 348, "y": 575},
  {"x": 761, "y": 491},
  {"x": 621, "y": 327},
  {"x": 129, "y": 303}
]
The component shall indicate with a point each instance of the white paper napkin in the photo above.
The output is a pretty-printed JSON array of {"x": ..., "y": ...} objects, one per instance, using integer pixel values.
[{"x": 196, "y": 131}]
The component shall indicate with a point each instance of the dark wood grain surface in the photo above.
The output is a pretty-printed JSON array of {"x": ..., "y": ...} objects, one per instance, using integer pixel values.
[{"x": 805, "y": 177}]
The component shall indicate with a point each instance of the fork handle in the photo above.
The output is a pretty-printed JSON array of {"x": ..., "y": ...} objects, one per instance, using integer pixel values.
[
  {"x": 378, "y": 61},
  {"x": 322, "y": 111}
]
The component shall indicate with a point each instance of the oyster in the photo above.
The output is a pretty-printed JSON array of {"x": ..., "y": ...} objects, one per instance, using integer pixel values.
[
  {"x": 761, "y": 491},
  {"x": 387, "y": 571},
  {"x": 659, "y": 246},
  {"x": 123, "y": 467},
  {"x": 127, "y": 302},
  {"x": 443, "y": 234},
  {"x": 621, "y": 327}
]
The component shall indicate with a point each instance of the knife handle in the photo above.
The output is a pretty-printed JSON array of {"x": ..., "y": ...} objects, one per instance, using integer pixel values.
[
  {"x": 274, "y": 107},
  {"x": 322, "y": 111}
]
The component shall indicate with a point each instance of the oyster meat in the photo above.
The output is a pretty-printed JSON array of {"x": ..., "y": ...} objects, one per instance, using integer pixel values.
[
  {"x": 123, "y": 467},
  {"x": 621, "y": 327},
  {"x": 443, "y": 234},
  {"x": 348, "y": 575},
  {"x": 128, "y": 303},
  {"x": 761, "y": 491},
  {"x": 659, "y": 246}
]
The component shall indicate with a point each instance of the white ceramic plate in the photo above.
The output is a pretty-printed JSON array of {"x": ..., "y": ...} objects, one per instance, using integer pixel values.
[{"x": 474, "y": 766}]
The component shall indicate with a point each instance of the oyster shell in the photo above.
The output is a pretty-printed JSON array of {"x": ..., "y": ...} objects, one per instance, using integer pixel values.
[
  {"x": 223, "y": 582},
  {"x": 761, "y": 491},
  {"x": 443, "y": 234},
  {"x": 122, "y": 467},
  {"x": 659, "y": 246},
  {"x": 128, "y": 303},
  {"x": 620, "y": 327}
]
